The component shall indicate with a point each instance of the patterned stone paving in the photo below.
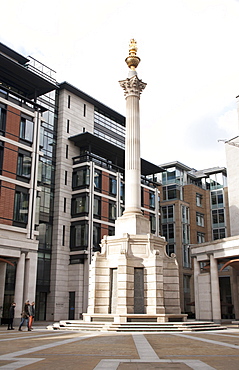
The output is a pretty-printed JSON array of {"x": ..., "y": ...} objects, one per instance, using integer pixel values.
[{"x": 44, "y": 349}]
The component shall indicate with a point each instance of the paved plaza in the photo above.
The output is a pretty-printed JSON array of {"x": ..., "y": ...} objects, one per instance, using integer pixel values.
[{"x": 44, "y": 349}]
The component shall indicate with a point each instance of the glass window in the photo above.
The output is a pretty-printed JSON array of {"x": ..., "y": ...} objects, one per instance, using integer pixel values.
[
  {"x": 167, "y": 214},
  {"x": 168, "y": 232},
  {"x": 1, "y": 155},
  {"x": 21, "y": 206},
  {"x": 185, "y": 231},
  {"x": 186, "y": 283},
  {"x": 171, "y": 192},
  {"x": 96, "y": 237},
  {"x": 170, "y": 248},
  {"x": 81, "y": 177},
  {"x": 111, "y": 230},
  {"x": 218, "y": 217},
  {"x": 200, "y": 237},
  {"x": 43, "y": 268},
  {"x": 79, "y": 236},
  {"x": 113, "y": 185},
  {"x": 24, "y": 164},
  {"x": 122, "y": 191},
  {"x": 199, "y": 200},
  {"x": 26, "y": 129},
  {"x": 2, "y": 120},
  {"x": 153, "y": 224},
  {"x": 45, "y": 171},
  {"x": 97, "y": 179},
  {"x": 217, "y": 199},
  {"x": 200, "y": 219},
  {"x": 152, "y": 199},
  {"x": 45, "y": 236},
  {"x": 79, "y": 205},
  {"x": 45, "y": 200},
  {"x": 97, "y": 206},
  {"x": 112, "y": 210},
  {"x": 185, "y": 214},
  {"x": 186, "y": 256},
  {"x": 219, "y": 233}
]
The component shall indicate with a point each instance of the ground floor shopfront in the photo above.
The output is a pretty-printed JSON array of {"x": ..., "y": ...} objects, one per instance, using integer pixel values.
[{"x": 18, "y": 270}]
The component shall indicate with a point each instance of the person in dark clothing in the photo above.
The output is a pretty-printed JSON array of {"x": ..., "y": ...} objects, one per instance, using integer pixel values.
[
  {"x": 11, "y": 316},
  {"x": 25, "y": 316},
  {"x": 31, "y": 315}
]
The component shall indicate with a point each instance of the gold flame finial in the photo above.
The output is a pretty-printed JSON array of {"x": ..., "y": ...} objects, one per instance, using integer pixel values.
[{"x": 132, "y": 60}]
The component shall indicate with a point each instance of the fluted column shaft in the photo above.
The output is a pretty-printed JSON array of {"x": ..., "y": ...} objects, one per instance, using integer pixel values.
[
  {"x": 133, "y": 88},
  {"x": 19, "y": 285},
  {"x": 132, "y": 156},
  {"x": 215, "y": 291}
]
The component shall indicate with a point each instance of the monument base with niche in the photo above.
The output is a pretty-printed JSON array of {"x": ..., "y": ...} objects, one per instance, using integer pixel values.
[{"x": 134, "y": 278}]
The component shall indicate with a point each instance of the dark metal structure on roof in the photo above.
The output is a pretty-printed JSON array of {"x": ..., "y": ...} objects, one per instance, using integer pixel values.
[
  {"x": 16, "y": 72},
  {"x": 111, "y": 152}
]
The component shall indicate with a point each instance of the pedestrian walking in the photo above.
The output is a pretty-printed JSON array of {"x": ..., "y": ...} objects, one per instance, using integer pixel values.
[
  {"x": 11, "y": 316},
  {"x": 25, "y": 316},
  {"x": 31, "y": 315}
]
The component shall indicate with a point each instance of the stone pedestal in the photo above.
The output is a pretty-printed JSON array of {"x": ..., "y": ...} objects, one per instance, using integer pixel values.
[{"x": 127, "y": 259}]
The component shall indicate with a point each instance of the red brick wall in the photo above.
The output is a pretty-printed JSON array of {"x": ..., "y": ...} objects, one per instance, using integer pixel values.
[
  {"x": 105, "y": 183},
  {"x": 10, "y": 161},
  {"x": 13, "y": 123},
  {"x": 7, "y": 194}
]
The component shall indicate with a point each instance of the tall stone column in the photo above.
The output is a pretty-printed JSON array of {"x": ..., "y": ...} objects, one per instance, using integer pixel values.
[
  {"x": 3, "y": 267},
  {"x": 235, "y": 295},
  {"x": 30, "y": 276},
  {"x": 196, "y": 271},
  {"x": 215, "y": 291},
  {"x": 19, "y": 286},
  {"x": 132, "y": 221},
  {"x": 132, "y": 87}
]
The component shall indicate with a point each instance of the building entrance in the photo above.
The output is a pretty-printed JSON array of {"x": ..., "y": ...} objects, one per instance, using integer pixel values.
[{"x": 227, "y": 308}]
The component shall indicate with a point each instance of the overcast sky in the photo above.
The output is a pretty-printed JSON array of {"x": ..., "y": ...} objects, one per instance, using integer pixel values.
[{"x": 189, "y": 59}]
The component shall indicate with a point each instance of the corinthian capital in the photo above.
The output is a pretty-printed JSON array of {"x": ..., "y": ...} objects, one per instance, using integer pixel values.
[{"x": 132, "y": 86}]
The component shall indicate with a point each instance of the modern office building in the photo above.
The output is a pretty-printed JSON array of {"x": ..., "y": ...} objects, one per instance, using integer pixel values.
[
  {"x": 194, "y": 209},
  {"x": 27, "y": 109}
]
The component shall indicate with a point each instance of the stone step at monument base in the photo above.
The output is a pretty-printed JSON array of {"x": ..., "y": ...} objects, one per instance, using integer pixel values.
[{"x": 189, "y": 326}]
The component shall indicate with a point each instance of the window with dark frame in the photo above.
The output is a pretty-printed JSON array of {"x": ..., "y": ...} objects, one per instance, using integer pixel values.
[
  {"x": 80, "y": 205},
  {"x": 24, "y": 163},
  {"x": 26, "y": 129},
  {"x": 79, "y": 236},
  {"x": 2, "y": 119},
  {"x": 81, "y": 178},
  {"x": 21, "y": 204}
]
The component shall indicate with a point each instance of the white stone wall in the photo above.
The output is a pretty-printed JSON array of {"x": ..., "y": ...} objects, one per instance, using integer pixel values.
[
  {"x": 61, "y": 278},
  {"x": 204, "y": 293},
  {"x": 232, "y": 156}
]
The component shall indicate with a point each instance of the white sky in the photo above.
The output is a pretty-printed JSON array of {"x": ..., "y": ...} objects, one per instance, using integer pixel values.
[{"x": 189, "y": 59}]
